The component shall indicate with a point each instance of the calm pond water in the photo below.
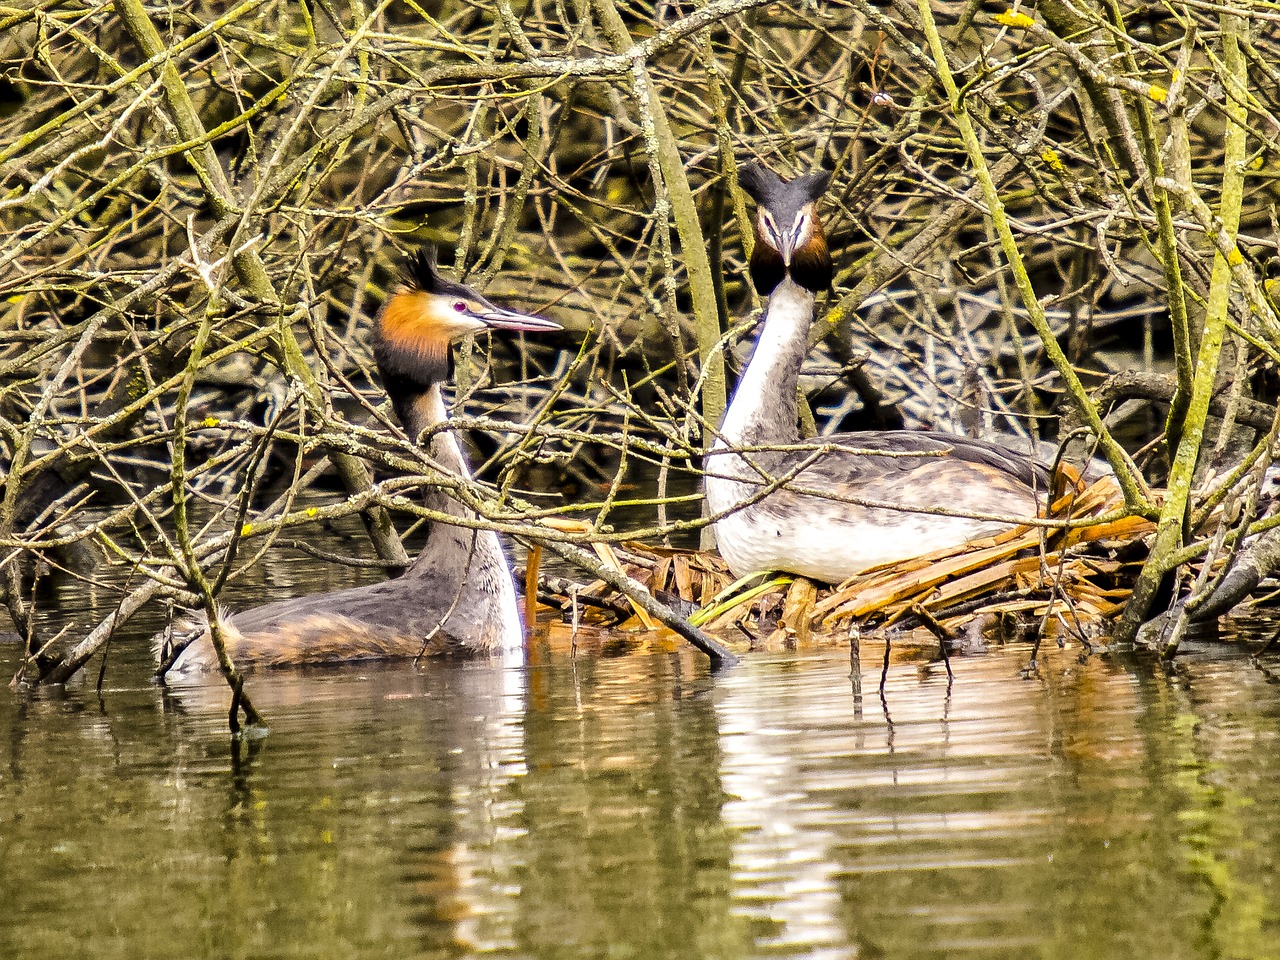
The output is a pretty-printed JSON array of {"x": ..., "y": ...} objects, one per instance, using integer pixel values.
[{"x": 635, "y": 806}]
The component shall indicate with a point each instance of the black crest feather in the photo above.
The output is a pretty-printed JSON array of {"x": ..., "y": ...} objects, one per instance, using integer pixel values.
[
  {"x": 768, "y": 189},
  {"x": 421, "y": 270},
  {"x": 761, "y": 183},
  {"x": 813, "y": 185}
]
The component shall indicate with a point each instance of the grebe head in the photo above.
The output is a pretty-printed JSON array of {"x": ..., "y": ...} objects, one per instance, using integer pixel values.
[
  {"x": 789, "y": 236},
  {"x": 431, "y": 310},
  {"x": 427, "y": 313}
]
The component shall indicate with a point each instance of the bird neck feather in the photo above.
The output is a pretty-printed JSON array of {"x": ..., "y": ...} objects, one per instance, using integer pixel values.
[
  {"x": 767, "y": 268},
  {"x": 413, "y": 373},
  {"x": 763, "y": 410}
]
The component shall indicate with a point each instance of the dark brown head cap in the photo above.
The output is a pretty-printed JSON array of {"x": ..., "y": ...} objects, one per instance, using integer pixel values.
[
  {"x": 422, "y": 274},
  {"x": 782, "y": 197}
]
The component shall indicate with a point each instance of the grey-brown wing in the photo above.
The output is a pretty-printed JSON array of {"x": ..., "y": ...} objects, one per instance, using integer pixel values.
[
  {"x": 407, "y": 604},
  {"x": 926, "y": 467}
]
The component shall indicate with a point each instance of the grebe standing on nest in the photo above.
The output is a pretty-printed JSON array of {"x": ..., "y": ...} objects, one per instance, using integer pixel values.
[
  {"x": 457, "y": 595},
  {"x": 822, "y": 534}
]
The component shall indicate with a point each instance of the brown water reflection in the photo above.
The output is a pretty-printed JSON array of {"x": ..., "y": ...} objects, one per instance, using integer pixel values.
[{"x": 633, "y": 806}]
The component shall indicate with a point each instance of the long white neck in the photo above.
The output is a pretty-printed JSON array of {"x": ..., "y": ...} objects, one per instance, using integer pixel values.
[
  {"x": 425, "y": 411},
  {"x": 763, "y": 410},
  {"x": 473, "y": 557}
]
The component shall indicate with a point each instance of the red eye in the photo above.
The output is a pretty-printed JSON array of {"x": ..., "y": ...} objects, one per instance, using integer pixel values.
[{"x": 460, "y": 306}]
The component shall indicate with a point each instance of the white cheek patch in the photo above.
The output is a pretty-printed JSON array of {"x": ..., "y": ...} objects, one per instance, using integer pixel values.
[
  {"x": 453, "y": 323},
  {"x": 769, "y": 230}
]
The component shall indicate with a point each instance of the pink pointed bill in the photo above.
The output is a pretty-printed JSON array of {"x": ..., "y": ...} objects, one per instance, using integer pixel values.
[{"x": 511, "y": 320}]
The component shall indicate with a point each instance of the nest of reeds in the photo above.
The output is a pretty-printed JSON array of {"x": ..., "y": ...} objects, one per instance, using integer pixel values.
[{"x": 1071, "y": 574}]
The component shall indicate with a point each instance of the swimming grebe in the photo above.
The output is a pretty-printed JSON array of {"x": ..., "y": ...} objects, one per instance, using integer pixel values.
[
  {"x": 457, "y": 595},
  {"x": 821, "y": 534}
]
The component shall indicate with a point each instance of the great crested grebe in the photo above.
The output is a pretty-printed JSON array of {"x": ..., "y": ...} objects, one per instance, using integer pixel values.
[
  {"x": 457, "y": 595},
  {"x": 821, "y": 533}
]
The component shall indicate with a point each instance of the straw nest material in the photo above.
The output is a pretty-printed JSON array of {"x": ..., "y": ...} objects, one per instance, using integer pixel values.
[{"x": 1073, "y": 574}]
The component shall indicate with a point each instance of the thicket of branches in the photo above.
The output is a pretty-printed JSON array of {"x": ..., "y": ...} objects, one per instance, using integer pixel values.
[{"x": 203, "y": 206}]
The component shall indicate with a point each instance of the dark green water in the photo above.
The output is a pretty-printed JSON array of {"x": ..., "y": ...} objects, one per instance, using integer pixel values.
[{"x": 637, "y": 807}]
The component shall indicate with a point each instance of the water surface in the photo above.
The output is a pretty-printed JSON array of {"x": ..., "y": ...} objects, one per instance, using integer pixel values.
[{"x": 635, "y": 806}]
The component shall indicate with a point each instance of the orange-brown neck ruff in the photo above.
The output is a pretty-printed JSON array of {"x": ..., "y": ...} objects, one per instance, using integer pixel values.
[
  {"x": 786, "y": 214},
  {"x": 811, "y": 264},
  {"x": 413, "y": 341},
  {"x": 767, "y": 268}
]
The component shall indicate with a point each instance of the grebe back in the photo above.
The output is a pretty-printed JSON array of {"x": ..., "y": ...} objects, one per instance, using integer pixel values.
[
  {"x": 820, "y": 533},
  {"x": 457, "y": 595}
]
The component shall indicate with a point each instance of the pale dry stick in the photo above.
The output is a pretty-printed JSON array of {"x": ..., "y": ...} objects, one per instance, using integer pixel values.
[
  {"x": 662, "y": 146},
  {"x": 74, "y": 659},
  {"x": 147, "y": 161},
  {"x": 892, "y": 262},
  {"x": 121, "y": 417},
  {"x": 47, "y": 178},
  {"x": 35, "y": 158},
  {"x": 532, "y": 428},
  {"x": 534, "y": 158},
  {"x": 1242, "y": 271},
  {"x": 719, "y": 655},
  {"x": 248, "y": 265},
  {"x": 1137, "y": 497},
  {"x": 304, "y": 114},
  {"x": 1213, "y": 593},
  {"x": 192, "y": 571},
  {"x": 122, "y": 516},
  {"x": 658, "y": 221},
  {"x": 21, "y": 452},
  {"x": 1153, "y": 181},
  {"x": 209, "y": 551},
  {"x": 1174, "y": 513},
  {"x": 610, "y": 167}
]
